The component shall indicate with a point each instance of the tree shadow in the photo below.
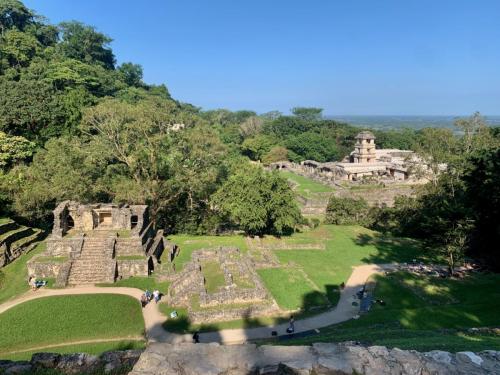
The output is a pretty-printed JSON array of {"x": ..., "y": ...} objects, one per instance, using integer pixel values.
[{"x": 392, "y": 249}]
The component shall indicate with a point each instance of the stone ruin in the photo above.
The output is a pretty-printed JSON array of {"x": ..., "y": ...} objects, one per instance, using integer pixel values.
[
  {"x": 366, "y": 162},
  {"x": 102, "y": 242},
  {"x": 243, "y": 294}
]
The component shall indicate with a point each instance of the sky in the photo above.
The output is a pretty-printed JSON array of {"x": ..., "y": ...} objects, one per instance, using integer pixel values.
[{"x": 350, "y": 57}]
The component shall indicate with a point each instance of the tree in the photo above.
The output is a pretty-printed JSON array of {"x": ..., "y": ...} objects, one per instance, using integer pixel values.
[
  {"x": 131, "y": 74},
  {"x": 347, "y": 211},
  {"x": 482, "y": 195},
  {"x": 313, "y": 146},
  {"x": 84, "y": 43},
  {"x": 14, "y": 149},
  {"x": 251, "y": 126},
  {"x": 277, "y": 153},
  {"x": 255, "y": 148},
  {"x": 308, "y": 113},
  {"x": 13, "y": 13},
  {"x": 258, "y": 202},
  {"x": 18, "y": 48}
]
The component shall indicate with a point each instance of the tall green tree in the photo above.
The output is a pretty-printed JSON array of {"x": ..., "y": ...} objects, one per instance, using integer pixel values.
[
  {"x": 84, "y": 43},
  {"x": 258, "y": 202},
  {"x": 308, "y": 113}
]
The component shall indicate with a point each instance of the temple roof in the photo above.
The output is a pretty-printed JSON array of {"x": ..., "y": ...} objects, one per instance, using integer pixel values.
[{"x": 365, "y": 135}]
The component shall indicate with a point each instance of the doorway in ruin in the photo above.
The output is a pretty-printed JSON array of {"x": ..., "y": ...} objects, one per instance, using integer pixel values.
[
  {"x": 105, "y": 219},
  {"x": 134, "y": 219},
  {"x": 70, "y": 223}
]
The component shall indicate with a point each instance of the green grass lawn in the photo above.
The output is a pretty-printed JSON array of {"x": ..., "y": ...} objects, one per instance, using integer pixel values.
[
  {"x": 345, "y": 247},
  {"x": 425, "y": 313},
  {"x": 66, "y": 319},
  {"x": 214, "y": 277},
  {"x": 188, "y": 244},
  {"x": 306, "y": 187},
  {"x": 143, "y": 283},
  {"x": 14, "y": 276}
]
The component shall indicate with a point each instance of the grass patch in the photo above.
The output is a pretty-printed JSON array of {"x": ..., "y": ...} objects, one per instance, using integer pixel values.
[
  {"x": 214, "y": 277},
  {"x": 143, "y": 283},
  {"x": 15, "y": 275},
  {"x": 345, "y": 247},
  {"x": 94, "y": 349},
  {"x": 288, "y": 286},
  {"x": 188, "y": 244},
  {"x": 306, "y": 187},
  {"x": 414, "y": 318},
  {"x": 4, "y": 220},
  {"x": 61, "y": 319}
]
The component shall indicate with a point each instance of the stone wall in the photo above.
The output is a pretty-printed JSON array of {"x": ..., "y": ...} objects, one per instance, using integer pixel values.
[
  {"x": 128, "y": 246},
  {"x": 318, "y": 359},
  {"x": 71, "y": 247},
  {"x": 49, "y": 269},
  {"x": 220, "y": 315},
  {"x": 135, "y": 267},
  {"x": 117, "y": 363}
]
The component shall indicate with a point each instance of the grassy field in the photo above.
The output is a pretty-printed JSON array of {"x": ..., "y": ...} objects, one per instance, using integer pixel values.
[
  {"x": 67, "y": 319},
  {"x": 188, "y": 244},
  {"x": 14, "y": 276},
  {"x": 325, "y": 270},
  {"x": 425, "y": 313},
  {"x": 306, "y": 187}
]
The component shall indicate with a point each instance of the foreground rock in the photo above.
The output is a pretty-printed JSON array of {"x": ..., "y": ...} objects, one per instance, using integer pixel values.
[
  {"x": 319, "y": 359},
  {"x": 119, "y": 362}
]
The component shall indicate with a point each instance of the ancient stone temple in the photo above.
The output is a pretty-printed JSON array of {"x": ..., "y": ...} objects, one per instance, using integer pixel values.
[
  {"x": 364, "y": 148},
  {"x": 103, "y": 242}
]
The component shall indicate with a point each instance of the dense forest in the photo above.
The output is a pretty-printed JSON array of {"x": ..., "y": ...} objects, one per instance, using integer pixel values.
[{"x": 75, "y": 125}]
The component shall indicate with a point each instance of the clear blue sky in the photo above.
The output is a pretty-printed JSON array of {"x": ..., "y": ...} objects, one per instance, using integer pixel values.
[{"x": 357, "y": 57}]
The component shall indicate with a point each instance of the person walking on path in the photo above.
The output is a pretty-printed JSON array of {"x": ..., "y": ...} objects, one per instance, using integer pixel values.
[
  {"x": 291, "y": 327},
  {"x": 156, "y": 295}
]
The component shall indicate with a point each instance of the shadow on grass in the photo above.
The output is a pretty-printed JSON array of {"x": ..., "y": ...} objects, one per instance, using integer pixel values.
[{"x": 393, "y": 249}]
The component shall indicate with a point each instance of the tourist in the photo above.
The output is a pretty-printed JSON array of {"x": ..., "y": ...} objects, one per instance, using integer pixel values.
[
  {"x": 291, "y": 327},
  {"x": 156, "y": 295},
  {"x": 144, "y": 300},
  {"x": 148, "y": 295},
  {"x": 196, "y": 338},
  {"x": 32, "y": 283}
]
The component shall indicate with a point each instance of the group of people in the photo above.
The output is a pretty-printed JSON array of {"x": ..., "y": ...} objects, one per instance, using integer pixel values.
[
  {"x": 147, "y": 297},
  {"x": 34, "y": 284}
]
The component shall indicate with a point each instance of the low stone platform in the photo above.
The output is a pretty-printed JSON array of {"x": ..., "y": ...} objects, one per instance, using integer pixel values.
[{"x": 334, "y": 359}]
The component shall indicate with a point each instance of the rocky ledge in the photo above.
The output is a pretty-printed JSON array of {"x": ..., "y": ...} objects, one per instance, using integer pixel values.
[
  {"x": 119, "y": 362},
  {"x": 318, "y": 359}
]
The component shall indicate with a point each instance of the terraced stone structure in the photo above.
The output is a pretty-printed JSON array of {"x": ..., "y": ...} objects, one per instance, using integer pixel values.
[
  {"x": 100, "y": 242},
  {"x": 15, "y": 239},
  {"x": 239, "y": 294}
]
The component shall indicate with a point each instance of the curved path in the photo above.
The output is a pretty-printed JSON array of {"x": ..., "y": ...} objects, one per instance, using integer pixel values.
[{"x": 153, "y": 318}]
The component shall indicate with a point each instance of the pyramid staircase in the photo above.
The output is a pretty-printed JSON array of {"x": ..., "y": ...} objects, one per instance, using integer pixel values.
[{"x": 96, "y": 263}]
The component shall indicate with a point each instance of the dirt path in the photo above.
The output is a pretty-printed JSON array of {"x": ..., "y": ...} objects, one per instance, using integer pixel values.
[{"x": 153, "y": 318}]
